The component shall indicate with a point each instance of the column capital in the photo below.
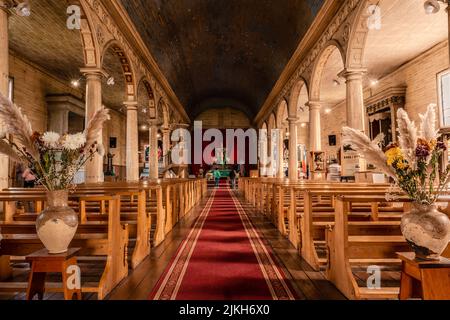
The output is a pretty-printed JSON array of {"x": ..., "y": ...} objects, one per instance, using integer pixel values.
[
  {"x": 292, "y": 120},
  {"x": 182, "y": 125},
  {"x": 353, "y": 73},
  {"x": 153, "y": 123},
  {"x": 314, "y": 105},
  {"x": 131, "y": 105},
  {"x": 93, "y": 72}
]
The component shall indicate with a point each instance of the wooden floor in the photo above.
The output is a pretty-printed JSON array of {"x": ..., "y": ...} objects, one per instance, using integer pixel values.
[{"x": 309, "y": 284}]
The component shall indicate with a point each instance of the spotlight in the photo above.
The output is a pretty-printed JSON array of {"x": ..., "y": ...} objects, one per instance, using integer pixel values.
[
  {"x": 23, "y": 9},
  {"x": 374, "y": 82},
  {"x": 144, "y": 127},
  {"x": 75, "y": 83},
  {"x": 158, "y": 136},
  {"x": 327, "y": 110},
  {"x": 303, "y": 125},
  {"x": 431, "y": 6}
]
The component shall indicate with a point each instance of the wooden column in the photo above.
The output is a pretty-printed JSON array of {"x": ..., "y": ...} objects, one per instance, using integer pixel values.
[
  {"x": 132, "y": 149},
  {"x": 166, "y": 145},
  {"x": 293, "y": 154},
  {"x": 4, "y": 80},
  {"x": 355, "y": 99},
  {"x": 280, "y": 169},
  {"x": 356, "y": 113},
  {"x": 5, "y": 269},
  {"x": 153, "y": 154},
  {"x": 264, "y": 149},
  {"x": 448, "y": 13},
  {"x": 94, "y": 168},
  {"x": 315, "y": 142},
  {"x": 184, "y": 172}
]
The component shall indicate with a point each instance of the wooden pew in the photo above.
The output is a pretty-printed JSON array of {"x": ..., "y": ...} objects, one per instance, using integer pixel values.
[
  {"x": 302, "y": 223},
  {"x": 349, "y": 248},
  {"x": 168, "y": 199},
  {"x": 96, "y": 239}
]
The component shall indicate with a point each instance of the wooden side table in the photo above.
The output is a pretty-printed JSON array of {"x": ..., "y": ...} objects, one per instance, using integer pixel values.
[
  {"x": 432, "y": 277},
  {"x": 43, "y": 262}
]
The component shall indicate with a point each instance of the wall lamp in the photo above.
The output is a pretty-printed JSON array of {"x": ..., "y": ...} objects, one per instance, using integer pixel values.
[
  {"x": 433, "y": 6},
  {"x": 110, "y": 81},
  {"x": 21, "y": 8}
]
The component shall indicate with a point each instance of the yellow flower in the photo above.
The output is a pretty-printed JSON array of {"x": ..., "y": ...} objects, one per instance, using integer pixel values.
[
  {"x": 394, "y": 154},
  {"x": 401, "y": 165},
  {"x": 433, "y": 144}
]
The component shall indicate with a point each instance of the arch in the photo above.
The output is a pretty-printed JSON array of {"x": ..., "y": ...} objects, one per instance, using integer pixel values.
[
  {"x": 358, "y": 31},
  {"x": 91, "y": 47},
  {"x": 127, "y": 68},
  {"x": 264, "y": 125},
  {"x": 296, "y": 91},
  {"x": 301, "y": 105},
  {"x": 146, "y": 100},
  {"x": 271, "y": 122},
  {"x": 282, "y": 113},
  {"x": 319, "y": 66},
  {"x": 163, "y": 112}
]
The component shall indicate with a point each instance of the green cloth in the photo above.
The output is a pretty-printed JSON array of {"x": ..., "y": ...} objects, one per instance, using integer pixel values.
[{"x": 217, "y": 174}]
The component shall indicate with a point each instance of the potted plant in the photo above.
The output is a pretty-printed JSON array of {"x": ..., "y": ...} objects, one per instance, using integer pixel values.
[
  {"x": 54, "y": 160},
  {"x": 413, "y": 164}
]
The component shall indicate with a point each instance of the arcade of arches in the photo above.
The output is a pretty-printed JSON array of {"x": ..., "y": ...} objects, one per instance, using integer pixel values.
[{"x": 305, "y": 67}]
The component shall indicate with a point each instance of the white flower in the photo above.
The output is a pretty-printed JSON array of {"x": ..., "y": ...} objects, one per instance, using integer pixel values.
[
  {"x": 74, "y": 141},
  {"x": 51, "y": 139}
]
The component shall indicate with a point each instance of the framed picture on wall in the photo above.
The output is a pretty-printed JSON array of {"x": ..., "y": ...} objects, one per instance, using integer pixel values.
[
  {"x": 332, "y": 140},
  {"x": 113, "y": 142},
  {"x": 443, "y": 80}
]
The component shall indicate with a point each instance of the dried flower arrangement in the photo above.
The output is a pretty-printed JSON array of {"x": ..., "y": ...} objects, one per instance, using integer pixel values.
[
  {"x": 413, "y": 163},
  {"x": 53, "y": 159}
]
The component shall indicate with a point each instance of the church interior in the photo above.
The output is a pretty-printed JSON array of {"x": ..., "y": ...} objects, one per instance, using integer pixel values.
[{"x": 224, "y": 150}]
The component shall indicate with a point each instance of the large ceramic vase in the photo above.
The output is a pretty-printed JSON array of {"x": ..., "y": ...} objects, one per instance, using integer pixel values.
[
  {"x": 427, "y": 231},
  {"x": 57, "y": 224}
]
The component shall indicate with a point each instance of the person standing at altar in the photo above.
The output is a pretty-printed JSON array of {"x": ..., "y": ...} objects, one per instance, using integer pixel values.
[{"x": 217, "y": 175}]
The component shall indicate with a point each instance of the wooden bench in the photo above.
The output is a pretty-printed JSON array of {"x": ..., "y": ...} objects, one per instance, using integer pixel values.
[
  {"x": 95, "y": 239},
  {"x": 349, "y": 247}
]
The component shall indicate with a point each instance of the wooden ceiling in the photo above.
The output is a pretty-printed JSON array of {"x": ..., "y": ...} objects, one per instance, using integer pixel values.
[
  {"x": 219, "y": 53},
  {"x": 406, "y": 32},
  {"x": 43, "y": 38}
]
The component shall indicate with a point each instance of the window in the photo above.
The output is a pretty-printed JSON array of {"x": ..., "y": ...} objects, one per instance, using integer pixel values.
[
  {"x": 444, "y": 98},
  {"x": 11, "y": 89}
]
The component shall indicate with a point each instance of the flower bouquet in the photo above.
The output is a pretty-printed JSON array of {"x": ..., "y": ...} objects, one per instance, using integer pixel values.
[
  {"x": 54, "y": 160},
  {"x": 414, "y": 165}
]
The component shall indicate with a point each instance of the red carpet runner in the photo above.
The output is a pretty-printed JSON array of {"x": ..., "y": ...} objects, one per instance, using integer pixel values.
[{"x": 223, "y": 258}]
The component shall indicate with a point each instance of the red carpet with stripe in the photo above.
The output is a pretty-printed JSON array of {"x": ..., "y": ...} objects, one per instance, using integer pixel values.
[{"x": 223, "y": 258}]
